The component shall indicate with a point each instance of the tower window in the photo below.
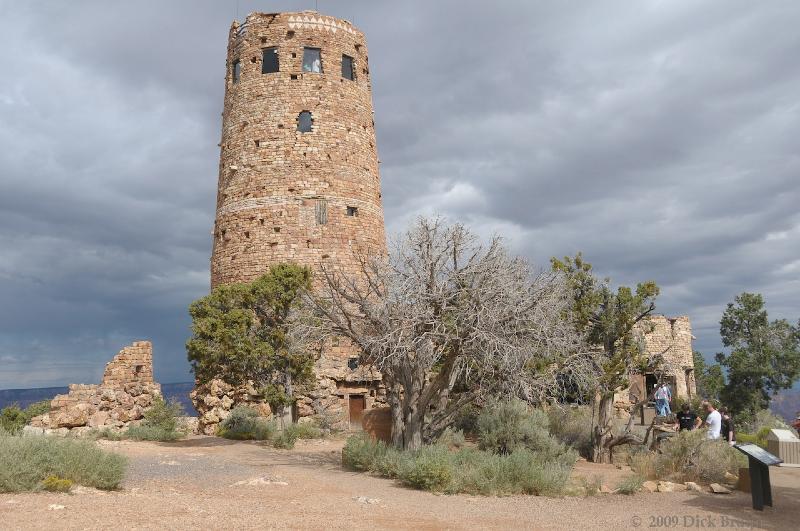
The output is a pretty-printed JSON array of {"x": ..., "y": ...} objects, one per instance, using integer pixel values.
[
  {"x": 352, "y": 211},
  {"x": 347, "y": 67},
  {"x": 352, "y": 364},
  {"x": 312, "y": 60},
  {"x": 269, "y": 63},
  {"x": 237, "y": 71},
  {"x": 321, "y": 212},
  {"x": 304, "y": 122}
]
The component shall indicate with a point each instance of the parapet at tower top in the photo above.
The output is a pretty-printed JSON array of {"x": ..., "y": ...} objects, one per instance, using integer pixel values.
[{"x": 308, "y": 19}]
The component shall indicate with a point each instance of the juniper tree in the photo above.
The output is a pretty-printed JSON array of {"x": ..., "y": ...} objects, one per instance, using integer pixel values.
[
  {"x": 608, "y": 320},
  {"x": 241, "y": 334},
  {"x": 764, "y": 355}
]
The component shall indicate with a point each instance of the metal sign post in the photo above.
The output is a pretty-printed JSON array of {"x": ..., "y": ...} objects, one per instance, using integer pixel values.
[{"x": 759, "y": 461}]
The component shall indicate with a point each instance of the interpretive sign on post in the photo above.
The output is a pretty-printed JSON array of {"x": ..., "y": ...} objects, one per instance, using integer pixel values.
[{"x": 759, "y": 460}]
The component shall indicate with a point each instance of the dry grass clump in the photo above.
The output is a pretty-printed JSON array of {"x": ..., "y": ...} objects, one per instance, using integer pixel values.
[{"x": 630, "y": 485}]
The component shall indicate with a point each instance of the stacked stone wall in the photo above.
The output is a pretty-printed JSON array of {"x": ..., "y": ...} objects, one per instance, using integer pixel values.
[
  {"x": 309, "y": 198},
  {"x": 668, "y": 339},
  {"x": 126, "y": 391}
]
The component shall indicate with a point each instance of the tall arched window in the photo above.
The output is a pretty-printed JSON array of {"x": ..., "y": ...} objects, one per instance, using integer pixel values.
[{"x": 304, "y": 121}]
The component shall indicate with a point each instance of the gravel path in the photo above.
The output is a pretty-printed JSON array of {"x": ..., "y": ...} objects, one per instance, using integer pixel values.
[{"x": 210, "y": 483}]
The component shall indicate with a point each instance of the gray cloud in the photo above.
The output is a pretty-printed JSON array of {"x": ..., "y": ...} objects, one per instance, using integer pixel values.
[{"x": 660, "y": 138}]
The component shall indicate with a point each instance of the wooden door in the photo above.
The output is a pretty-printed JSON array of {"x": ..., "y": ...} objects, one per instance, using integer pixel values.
[{"x": 357, "y": 405}]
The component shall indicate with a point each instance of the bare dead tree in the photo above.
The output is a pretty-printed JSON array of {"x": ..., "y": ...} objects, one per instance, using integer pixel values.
[{"x": 443, "y": 309}]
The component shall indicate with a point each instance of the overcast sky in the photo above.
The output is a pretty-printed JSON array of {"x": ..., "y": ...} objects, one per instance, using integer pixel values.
[{"x": 661, "y": 138}]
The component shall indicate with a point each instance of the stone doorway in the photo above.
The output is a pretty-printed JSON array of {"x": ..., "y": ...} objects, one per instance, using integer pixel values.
[{"x": 357, "y": 405}]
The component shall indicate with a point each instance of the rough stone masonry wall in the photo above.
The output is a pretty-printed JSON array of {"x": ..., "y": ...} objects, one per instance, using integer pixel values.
[
  {"x": 671, "y": 338},
  {"x": 288, "y": 196},
  {"x": 126, "y": 391}
]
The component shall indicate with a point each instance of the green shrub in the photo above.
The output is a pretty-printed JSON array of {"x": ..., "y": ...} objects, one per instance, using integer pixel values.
[
  {"x": 630, "y": 485},
  {"x": 37, "y": 408},
  {"x": 689, "y": 457},
  {"x": 160, "y": 422},
  {"x": 429, "y": 469},
  {"x": 13, "y": 418},
  {"x": 572, "y": 425},
  {"x": 27, "y": 461},
  {"x": 244, "y": 423},
  {"x": 56, "y": 484}
]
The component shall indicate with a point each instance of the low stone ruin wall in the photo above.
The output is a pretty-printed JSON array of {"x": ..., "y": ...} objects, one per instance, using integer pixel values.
[
  {"x": 126, "y": 391},
  {"x": 215, "y": 400}
]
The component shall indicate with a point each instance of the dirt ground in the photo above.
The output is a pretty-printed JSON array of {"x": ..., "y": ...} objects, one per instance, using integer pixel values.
[{"x": 211, "y": 483}]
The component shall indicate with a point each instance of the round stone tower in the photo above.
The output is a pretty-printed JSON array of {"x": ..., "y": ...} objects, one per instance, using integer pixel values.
[
  {"x": 298, "y": 180},
  {"x": 298, "y": 175}
]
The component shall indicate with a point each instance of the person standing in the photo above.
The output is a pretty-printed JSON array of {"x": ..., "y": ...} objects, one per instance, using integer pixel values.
[
  {"x": 686, "y": 419},
  {"x": 668, "y": 408},
  {"x": 662, "y": 403},
  {"x": 726, "y": 430},
  {"x": 713, "y": 420}
]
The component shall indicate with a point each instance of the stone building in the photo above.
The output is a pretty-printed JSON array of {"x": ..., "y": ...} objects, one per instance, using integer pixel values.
[
  {"x": 669, "y": 338},
  {"x": 126, "y": 391},
  {"x": 298, "y": 177}
]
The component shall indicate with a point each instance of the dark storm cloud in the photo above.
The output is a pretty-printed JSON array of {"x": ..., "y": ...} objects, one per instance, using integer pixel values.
[{"x": 660, "y": 138}]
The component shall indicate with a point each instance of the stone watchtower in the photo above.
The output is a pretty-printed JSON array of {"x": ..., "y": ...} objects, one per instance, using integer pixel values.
[{"x": 298, "y": 174}]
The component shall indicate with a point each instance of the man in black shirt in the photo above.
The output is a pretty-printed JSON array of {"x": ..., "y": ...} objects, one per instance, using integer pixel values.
[
  {"x": 687, "y": 419},
  {"x": 726, "y": 430}
]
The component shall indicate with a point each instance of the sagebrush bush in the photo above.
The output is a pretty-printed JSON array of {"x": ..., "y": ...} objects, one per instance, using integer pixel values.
[
  {"x": 467, "y": 470},
  {"x": 689, "y": 456},
  {"x": 572, "y": 425},
  {"x": 504, "y": 427},
  {"x": 360, "y": 453},
  {"x": 244, "y": 423},
  {"x": 430, "y": 468},
  {"x": 27, "y": 461},
  {"x": 161, "y": 422},
  {"x": 521, "y": 472}
]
